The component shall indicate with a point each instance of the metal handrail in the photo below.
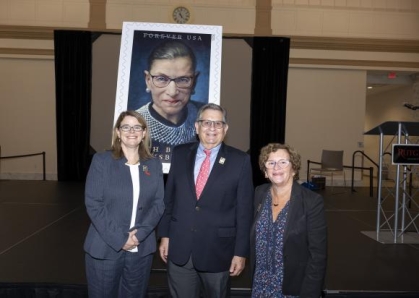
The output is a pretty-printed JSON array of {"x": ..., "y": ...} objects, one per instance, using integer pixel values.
[
  {"x": 352, "y": 178},
  {"x": 28, "y": 155},
  {"x": 363, "y": 168}
]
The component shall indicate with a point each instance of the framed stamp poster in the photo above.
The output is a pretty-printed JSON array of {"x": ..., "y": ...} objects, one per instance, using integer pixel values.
[{"x": 166, "y": 72}]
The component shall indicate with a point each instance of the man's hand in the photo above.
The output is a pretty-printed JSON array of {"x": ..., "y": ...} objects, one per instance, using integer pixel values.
[
  {"x": 164, "y": 248},
  {"x": 237, "y": 265}
]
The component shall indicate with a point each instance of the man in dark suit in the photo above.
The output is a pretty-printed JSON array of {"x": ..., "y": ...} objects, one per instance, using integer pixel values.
[{"x": 205, "y": 235}]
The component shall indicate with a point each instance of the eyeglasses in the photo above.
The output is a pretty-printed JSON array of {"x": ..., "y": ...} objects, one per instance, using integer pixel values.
[
  {"x": 127, "y": 128},
  {"x": 162, "y": 81},
  {"x": 282, "y": 164},
  {"x": 209, "y": 123}
]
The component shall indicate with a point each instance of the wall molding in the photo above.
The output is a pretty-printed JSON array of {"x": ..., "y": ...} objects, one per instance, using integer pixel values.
[
  {"x": 355, "y": 44},
  {"x": 263, "y": 17},
  {"x": 27, "y": 32},
  {"x": 97, "y": 14},
  {"x": 297, "y": 42},
  {"x": 26, "y": 52},
  {"x": 414, "y": 66}
]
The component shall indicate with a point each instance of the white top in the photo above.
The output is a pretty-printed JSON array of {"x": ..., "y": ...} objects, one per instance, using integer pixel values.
[{"x": 135, "y": 176}]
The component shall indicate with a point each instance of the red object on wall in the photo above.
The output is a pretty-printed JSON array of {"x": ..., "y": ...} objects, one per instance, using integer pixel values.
[{"x": 391, "y": 75}]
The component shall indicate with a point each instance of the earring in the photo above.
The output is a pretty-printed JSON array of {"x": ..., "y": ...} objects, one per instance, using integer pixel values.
[{"x": 147, "y": 90}]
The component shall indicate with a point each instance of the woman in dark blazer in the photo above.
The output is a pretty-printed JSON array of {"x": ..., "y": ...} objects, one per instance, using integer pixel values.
[
  {"x": 289, "y": 232},
  {"x": 124, "y": 200}
]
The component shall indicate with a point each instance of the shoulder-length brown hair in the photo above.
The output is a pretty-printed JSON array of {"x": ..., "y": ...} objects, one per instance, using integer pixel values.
[
  {"x": 295, "y": 158},
  {"x": 143, "y": 147}
]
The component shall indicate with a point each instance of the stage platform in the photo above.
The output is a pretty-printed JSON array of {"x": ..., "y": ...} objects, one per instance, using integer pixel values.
[{"x": 43, "y": 225}]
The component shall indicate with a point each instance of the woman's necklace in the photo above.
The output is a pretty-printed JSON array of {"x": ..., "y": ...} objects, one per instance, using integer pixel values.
[{"x": 276, "y": 200}]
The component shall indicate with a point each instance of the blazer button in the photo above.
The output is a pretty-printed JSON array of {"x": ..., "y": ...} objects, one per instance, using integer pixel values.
[{"x": 197, "y": 208}]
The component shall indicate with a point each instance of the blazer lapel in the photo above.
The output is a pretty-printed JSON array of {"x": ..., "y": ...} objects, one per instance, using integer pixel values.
[
  {"x": 294, "y": 209},
  {"x": 260, "y": 198},
  {"x": 144, "y": 172}
]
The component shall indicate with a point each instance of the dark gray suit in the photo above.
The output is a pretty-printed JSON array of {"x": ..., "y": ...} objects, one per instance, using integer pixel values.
[
  {"x": 207, "y": 232},
  {"x": 216, "y": 227},
  {"x": 109, "y": 201}
]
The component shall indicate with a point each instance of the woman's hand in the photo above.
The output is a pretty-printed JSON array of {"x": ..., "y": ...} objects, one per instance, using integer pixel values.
[{"x": 132, "y": 241}]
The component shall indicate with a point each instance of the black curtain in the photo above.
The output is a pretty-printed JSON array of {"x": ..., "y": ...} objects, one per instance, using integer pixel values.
[
  {"x": 73, "y": 76},
  {"x": 268, "y": 96}
]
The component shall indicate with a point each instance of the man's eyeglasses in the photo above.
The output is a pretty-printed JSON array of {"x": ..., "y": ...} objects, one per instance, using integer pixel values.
[
  {"x": 209, "y": 123},
  {"x": 127, "y": 128},
  {"x": 162, "y": 81},
  {"x": 282, "y": 164}
]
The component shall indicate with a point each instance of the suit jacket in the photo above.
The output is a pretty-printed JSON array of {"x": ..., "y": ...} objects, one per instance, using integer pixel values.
[
  {"x": 108, "y": 199},
  {"x": 216, "y": 227},
  {"x": 305, "y": 241}
]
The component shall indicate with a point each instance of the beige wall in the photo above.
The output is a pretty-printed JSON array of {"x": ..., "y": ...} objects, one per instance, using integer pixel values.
[
  {"x": 383, "y": 107},
  {"x": 347, "y": 18},
  {"x": 27, "y": 117},
  {"x": 336, "y": 18},
  {"x": 333, "y": 44},
  {"x": 325, "y": 110}
]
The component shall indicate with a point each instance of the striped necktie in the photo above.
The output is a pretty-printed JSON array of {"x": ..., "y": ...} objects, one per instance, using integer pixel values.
[{"x": 203, "y": 173}]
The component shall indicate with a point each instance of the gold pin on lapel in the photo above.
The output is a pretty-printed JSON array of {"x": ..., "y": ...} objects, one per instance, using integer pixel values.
[{"x": 222, "y": 160}]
